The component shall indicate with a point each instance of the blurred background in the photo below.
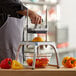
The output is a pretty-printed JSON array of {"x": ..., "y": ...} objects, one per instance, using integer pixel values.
[{"x": 61, "y": 19}]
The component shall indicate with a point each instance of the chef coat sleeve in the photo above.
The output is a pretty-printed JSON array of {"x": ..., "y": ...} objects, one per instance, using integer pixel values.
[{"x": 11, "y": 7}]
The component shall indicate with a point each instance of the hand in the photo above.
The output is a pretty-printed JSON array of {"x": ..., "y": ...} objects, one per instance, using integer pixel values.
[{"x": 35, "y": 18}]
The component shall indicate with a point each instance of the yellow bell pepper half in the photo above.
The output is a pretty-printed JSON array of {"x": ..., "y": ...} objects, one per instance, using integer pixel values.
[{"x": 16, "y": 65}]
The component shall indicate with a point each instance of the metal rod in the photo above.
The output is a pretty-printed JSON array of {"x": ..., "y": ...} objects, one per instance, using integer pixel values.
[
  {"x": 46, "y": 18},
  {"x": 46, "y": 36},
  {"x": 46, "y": 25},
  {"x": 57, "y": 57},
  {"x": 23, "y": 46},
  {"x": 53, "y": 65},
  {"x": 38, "y": 56},
  {"x": 42, "y": 3},
  {"x": 34, "y": 57},
  {"x": 27, "y": 27},
  {"x": 37, "y": 51},
  {"x": 17, "y": 54},
  {"x": 27, "y": 18},
  {"x": 35, "y": 26}
]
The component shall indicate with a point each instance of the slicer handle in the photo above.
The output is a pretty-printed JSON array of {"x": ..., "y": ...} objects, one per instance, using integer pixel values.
[{"x": 36, "y": 24}]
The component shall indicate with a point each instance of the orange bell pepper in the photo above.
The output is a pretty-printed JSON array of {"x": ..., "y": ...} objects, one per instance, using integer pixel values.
[
  {"x": 29, "y": 62},
  {"x": 64, "y": 61},
  {"x": 71, "y": 63},
  {"x": 75, "y": 62}
]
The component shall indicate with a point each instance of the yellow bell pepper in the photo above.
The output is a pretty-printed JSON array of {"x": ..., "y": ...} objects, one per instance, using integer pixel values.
[{"x": 16, "y": 65}]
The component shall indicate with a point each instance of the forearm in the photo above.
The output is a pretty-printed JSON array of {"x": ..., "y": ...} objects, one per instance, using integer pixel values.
[{"x": 24, "y": 12}]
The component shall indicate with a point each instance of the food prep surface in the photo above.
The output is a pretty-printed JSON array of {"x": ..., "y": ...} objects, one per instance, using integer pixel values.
[{"x": 49, "y": 71}]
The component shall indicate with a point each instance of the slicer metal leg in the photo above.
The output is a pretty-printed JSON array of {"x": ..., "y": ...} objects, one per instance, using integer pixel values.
[
  {"x": 57, "y": 57},
  {"x": 34, "y": 57},
  {"x": 37, "y": 52},
  {"x": 17, "y": 54}
]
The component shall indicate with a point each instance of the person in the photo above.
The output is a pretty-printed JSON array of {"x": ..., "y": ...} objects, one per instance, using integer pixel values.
[{"x": 12, "y": 14}]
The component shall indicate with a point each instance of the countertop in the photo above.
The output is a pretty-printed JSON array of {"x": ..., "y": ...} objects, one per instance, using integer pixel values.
[{"x": 49, "y": 71}]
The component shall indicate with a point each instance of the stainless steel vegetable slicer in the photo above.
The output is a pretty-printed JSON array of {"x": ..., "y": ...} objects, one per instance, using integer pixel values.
[{"x": 36, "y": 45}]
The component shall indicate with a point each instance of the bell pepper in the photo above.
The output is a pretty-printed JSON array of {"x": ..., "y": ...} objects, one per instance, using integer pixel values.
[
  {"x": 16, "y": 65},
  {"x": 40, "y": 63},
  {"x": 6, "y": 63},
  {"x": 70, "y": 62},
  {"x": 29, "y": 61},
  {"x": 64, "y": 61},
  {"x": 43, "y": 62},
  {"x": 37, "y": 65},
  {"x": 75, "y": 62}
]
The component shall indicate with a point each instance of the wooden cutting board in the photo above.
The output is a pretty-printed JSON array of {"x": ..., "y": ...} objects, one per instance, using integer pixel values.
[{"x": 48, "y": 71}]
